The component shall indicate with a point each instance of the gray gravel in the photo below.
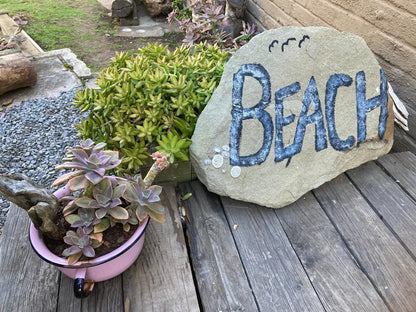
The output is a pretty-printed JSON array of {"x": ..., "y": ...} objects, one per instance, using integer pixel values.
[{"x": 34, "y": 137}]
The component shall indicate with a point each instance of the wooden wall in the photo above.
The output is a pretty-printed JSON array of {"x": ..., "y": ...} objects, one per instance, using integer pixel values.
[{"x": 388, "y": 26}]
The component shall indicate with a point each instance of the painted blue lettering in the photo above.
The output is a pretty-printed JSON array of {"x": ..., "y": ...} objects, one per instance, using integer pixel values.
[
  {"x": 280, "y": 151},
  {"x": 239, "y": 114},
  {"x": 334, "y": 82},
  {"x": 364, "y": 106},
  {"x": 310, "y": 95}
]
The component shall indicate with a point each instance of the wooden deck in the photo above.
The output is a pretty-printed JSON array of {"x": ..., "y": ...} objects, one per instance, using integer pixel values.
[{"x": 350, "y": 245}]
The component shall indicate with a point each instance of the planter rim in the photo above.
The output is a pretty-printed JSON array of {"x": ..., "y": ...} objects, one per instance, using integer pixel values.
[{"x": 45, "y": 254}]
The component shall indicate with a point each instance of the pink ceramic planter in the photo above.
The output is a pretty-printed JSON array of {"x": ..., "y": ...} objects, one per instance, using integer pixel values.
[{"x": 95, "y": 270}]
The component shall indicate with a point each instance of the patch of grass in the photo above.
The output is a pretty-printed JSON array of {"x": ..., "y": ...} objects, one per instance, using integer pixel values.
[
  {"x": 87, "y": 36},
  {"x": 54, "y": 24},
  {"x": 80, "y": 25}
]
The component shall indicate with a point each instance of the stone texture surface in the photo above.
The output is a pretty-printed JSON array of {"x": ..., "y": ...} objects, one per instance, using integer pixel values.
[
  {"x": 281, "y": 169},
  {"x": 53, "y": 76},
  {"x": 157, "y": 7}
]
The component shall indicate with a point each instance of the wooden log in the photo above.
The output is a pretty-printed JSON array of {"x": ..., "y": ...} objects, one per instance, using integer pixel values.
[
  {"x": 121, "y": 8},
  {"x": 16, "y": 71}
]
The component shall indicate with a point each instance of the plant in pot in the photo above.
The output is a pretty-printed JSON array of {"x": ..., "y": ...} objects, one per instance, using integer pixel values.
[{"x": 92, "y": 229}]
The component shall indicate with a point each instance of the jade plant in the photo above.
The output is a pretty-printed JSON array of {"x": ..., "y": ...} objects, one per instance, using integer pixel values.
[{"x": 150, "y": 101}]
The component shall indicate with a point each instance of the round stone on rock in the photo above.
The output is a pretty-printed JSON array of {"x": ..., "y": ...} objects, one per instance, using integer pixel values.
[
  {"x": 216, "y": 150},
  {"x": 235, "y": 171},
  {"x": 226, "y": 148},
  {"x": 217, "y": 161},
  {"x": 225, "y": 154}
]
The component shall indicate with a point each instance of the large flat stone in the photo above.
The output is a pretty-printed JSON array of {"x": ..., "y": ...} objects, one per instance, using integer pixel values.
[
  {"x": 291, "y": 108},
  {"x": 53, "y": 77}
]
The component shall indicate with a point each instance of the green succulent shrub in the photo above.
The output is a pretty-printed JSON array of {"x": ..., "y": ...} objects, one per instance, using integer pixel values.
[{"x": 150, "y": 101}]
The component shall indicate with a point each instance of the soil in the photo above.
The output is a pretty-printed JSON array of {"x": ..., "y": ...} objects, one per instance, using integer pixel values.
[
  {"x": 99, "y": 42},
  {"x": 113, "y": 238}
]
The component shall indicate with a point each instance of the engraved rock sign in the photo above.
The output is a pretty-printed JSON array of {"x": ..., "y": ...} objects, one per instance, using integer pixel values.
[{"x": 295, "y": 108}]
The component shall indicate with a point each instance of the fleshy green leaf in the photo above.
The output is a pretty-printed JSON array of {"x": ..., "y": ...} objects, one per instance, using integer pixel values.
[
  {"x": 78, "y": 183},
  {"x": 72, "y": 218},
  {"x": 102, "y": 226},
  {"x": 66, "y": 177},
  {"x": 88, "y": 251},
  {"x": 72, "y": 259},
  {"x": 119, "y": 213}
]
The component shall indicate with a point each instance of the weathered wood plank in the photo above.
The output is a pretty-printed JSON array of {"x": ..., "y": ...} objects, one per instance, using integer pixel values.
[
  {"x": 402, "y": 166},
  {"x": 396, "y": 208},
  {"x": 66, "y": 300},
  {"x": 106, "y": 296},
  {"x": 26, "y": 281},
  {"x": 338, "y": 281},
  {"x": 381, "y": 256},
  {"x": 161, "y": 278},
  {"x": 276, "y": 276},
  {"x": 8, "y": 27},
  {"x": 222, "y": 282}
]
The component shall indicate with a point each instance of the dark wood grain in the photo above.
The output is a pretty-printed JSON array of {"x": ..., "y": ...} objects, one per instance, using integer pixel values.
[
  {"x": 390, "y": 201},
  {"x": 27, "y": 283},
  {"x": 335, "y": 276},
  {"x": 402, "y": 166},
  {"x": 221, "y": 279},
  {"x": 276, "y": 276},
  {"x": 161, "y": 278},
  {"x": 106, "y": 296},
  {"x": 377, "y": 251},
  {"x": 67, "y": 302}
]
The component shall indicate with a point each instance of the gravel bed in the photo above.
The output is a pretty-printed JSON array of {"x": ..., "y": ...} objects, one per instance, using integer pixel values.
[{"x": 34, "y": 137}]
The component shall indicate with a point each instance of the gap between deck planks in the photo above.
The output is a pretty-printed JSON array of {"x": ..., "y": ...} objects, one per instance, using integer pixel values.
[
  {"x": 347, "y": 246},
  {"x": 160, "y": 280}
]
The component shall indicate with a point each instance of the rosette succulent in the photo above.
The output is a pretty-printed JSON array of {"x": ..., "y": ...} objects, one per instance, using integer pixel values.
[{"x": 99, "y": 201}]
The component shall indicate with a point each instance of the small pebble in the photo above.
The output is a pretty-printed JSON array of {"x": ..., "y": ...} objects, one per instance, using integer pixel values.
[
  {"x": 216, "y": 150},
  {"x": 32, "y": 135},
  {"x": 235, "y": 171},
  {"x": 217, "y": 161}
]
